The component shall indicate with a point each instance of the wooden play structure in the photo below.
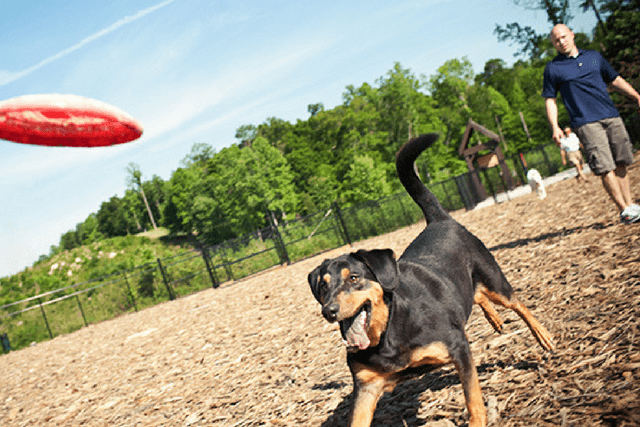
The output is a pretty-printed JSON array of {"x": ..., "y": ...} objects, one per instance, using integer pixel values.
[{"x": 477, "y": 163}]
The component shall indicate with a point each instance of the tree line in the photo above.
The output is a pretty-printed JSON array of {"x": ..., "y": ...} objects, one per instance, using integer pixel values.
[{"x": 278, "y": 170}]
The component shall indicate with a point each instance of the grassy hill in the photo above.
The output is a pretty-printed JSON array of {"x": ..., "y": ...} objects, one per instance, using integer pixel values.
[{"x": 89, "y": 262}]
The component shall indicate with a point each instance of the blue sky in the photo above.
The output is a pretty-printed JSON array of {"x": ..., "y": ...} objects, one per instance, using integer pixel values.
[{"x": 194, "y": 71}]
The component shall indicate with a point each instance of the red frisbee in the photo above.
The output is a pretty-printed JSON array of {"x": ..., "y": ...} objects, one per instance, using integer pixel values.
[{"x": 65, "y": 121}]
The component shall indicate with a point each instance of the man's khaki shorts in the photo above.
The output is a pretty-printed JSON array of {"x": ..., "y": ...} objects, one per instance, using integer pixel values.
[{"x": 606, "y": 144}]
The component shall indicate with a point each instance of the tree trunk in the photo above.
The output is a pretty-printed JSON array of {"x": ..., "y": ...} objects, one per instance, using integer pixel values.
[{"x": 148, "y": 208}]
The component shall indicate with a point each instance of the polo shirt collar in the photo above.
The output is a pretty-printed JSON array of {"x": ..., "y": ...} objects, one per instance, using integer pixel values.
[{"x": 574, "y": 56}]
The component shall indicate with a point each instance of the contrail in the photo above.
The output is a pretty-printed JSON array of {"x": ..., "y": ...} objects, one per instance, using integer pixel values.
[{"x": 8, "y": 77}]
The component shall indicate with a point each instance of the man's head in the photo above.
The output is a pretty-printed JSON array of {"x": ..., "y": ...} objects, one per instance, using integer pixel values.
[{"x": 562, "y": 39}]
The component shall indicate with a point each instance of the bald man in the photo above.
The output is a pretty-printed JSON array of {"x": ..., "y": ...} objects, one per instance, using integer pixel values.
[{"x": 581, "y": 77}]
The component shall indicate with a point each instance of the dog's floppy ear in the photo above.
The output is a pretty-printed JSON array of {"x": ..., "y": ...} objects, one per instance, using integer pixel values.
[
  {"x": 313, "y": 282},
  {"x": 314, "y": 279},
  {"x": 382, "y": 263}
]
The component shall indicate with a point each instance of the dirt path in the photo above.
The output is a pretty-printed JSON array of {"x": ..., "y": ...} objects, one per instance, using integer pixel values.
[{"x": 257, "y": 352}]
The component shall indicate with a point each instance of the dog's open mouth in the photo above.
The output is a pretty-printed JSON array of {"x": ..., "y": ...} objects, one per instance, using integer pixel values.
[{"x": 354, "y": 329}]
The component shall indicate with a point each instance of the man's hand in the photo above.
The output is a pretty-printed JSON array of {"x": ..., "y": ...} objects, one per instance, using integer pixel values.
[
  {"x": 558, "y": 134},
  {"x": 552, "y": 115}
]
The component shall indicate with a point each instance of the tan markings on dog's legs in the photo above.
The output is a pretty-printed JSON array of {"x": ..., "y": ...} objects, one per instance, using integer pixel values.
[
  {"x": 489, "y": 312},
  {"x": 472, "y": 394},
  {"x": 351, "y": 302},
  {"x": 539, "y": 332},
  {"x": 369, "y": 386},
  {"x": 435, "y": 353}
]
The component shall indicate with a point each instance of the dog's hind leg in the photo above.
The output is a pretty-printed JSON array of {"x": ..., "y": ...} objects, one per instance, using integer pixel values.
[
  {"x": 489, "y": 312},
  {"x": 539, "y": 332}
]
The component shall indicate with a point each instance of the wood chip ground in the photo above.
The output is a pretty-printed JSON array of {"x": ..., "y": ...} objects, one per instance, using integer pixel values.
[{"x": 258, "y": 353}]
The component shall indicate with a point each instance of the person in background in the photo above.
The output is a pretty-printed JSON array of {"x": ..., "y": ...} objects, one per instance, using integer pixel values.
[
  {"x": 581, "y": 77},
  {"x": 570, "y": 150}
]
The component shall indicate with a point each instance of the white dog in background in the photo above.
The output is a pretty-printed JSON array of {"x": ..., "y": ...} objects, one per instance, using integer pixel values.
[{"x": 535, "y": 181}]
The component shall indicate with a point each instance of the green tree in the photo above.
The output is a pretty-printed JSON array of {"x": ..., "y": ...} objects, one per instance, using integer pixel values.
[
  {"x": 621, "y": 47},
  {"x": 156, "y": 190},
  {"x": 314, "y": 109},
  {"x": 534, "y": 45},
  {"x": 69, "y": 240},
  {"x": 87, "y": 232},
  {"x": 398, "y": 105},
  {"x": 241, "y": 187},
  {"x": 199, "y": 155},
  {"x": 274, "y": 130},
  {"x": 449, "y": 87},
  {"x": 246, "y": 134},
  {"x": 364, "y": 181},
  {"x": 591, "y": 4},
  {"x": 182, "y": 189},
  {"x": 440, "y": 162},
  {"x": 112, "y": 218}
]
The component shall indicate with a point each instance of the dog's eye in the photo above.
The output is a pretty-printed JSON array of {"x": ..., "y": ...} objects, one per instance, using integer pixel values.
[{"x": 353, "y": 278}]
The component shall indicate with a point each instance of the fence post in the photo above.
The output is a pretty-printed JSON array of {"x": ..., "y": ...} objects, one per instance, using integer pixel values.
[
  {"x": 166, "y": 282},
  {"x": 281, "y": 249},
  {"x": 343, "y": 227},
  {"x": 45, "y": 318},
  {"x": 465, "y": 190},
  {"x": 207, "y": 263},
  {"x": 6, "y": 345},
  {"x": 126, "y": 280},
  {"x": 81, "y": 311}
]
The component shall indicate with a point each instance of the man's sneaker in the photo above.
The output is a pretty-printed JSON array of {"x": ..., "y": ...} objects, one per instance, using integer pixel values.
[{"x": 631, "y": 214}]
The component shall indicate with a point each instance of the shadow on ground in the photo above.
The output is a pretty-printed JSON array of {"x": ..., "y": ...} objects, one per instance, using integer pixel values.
[{"x": 401, "y": 407}]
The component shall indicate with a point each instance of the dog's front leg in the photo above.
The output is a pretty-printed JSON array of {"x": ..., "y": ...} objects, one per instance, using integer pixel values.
[
  {"x": 468, "y": 374},
  {"x": 369, "y": 384}
]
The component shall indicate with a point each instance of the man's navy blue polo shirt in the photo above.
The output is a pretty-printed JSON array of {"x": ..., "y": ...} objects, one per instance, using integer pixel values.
[{"x": 582, "y": 82}]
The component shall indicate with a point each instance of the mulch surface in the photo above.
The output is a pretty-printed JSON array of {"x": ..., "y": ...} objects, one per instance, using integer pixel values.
[{"x": 257, "y": 351}]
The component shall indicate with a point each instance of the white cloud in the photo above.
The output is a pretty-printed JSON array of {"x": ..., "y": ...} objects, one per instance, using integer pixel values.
[
  {"x": 183, "y": 102},
  {"x": 8, "y": 76}
]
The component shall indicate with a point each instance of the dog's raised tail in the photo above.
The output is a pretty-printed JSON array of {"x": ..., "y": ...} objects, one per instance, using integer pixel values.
[{"x": 405, "y": 159}]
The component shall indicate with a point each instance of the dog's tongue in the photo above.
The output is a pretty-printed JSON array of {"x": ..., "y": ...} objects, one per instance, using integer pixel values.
[{"x": 356, "y": 335}]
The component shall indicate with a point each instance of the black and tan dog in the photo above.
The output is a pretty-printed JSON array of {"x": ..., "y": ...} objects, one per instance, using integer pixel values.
[{"x": 403, "y": 318}]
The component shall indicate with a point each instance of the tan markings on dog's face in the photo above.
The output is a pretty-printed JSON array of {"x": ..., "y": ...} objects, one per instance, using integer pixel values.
[
  {"x": 435, "y": 353},
  {"x": 327, "y": 278},
  {"x": 344, "y": 273},
  {"x": 350, "y": 302}
]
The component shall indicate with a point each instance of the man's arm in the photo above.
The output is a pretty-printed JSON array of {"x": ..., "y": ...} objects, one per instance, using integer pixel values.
[
  {"x": 622, "y": 86},
  {"x": 552, "y": 116}
]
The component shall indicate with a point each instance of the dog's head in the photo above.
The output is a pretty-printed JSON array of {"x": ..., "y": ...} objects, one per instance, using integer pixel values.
[{"x": 351, "y": 289}]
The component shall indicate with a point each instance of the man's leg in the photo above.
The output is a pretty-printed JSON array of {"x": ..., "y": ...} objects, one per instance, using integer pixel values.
[
  {"x": 616, "y": 183},
  {"x": 608, "y": 148},
  {"x": 623, "y": 180}
]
